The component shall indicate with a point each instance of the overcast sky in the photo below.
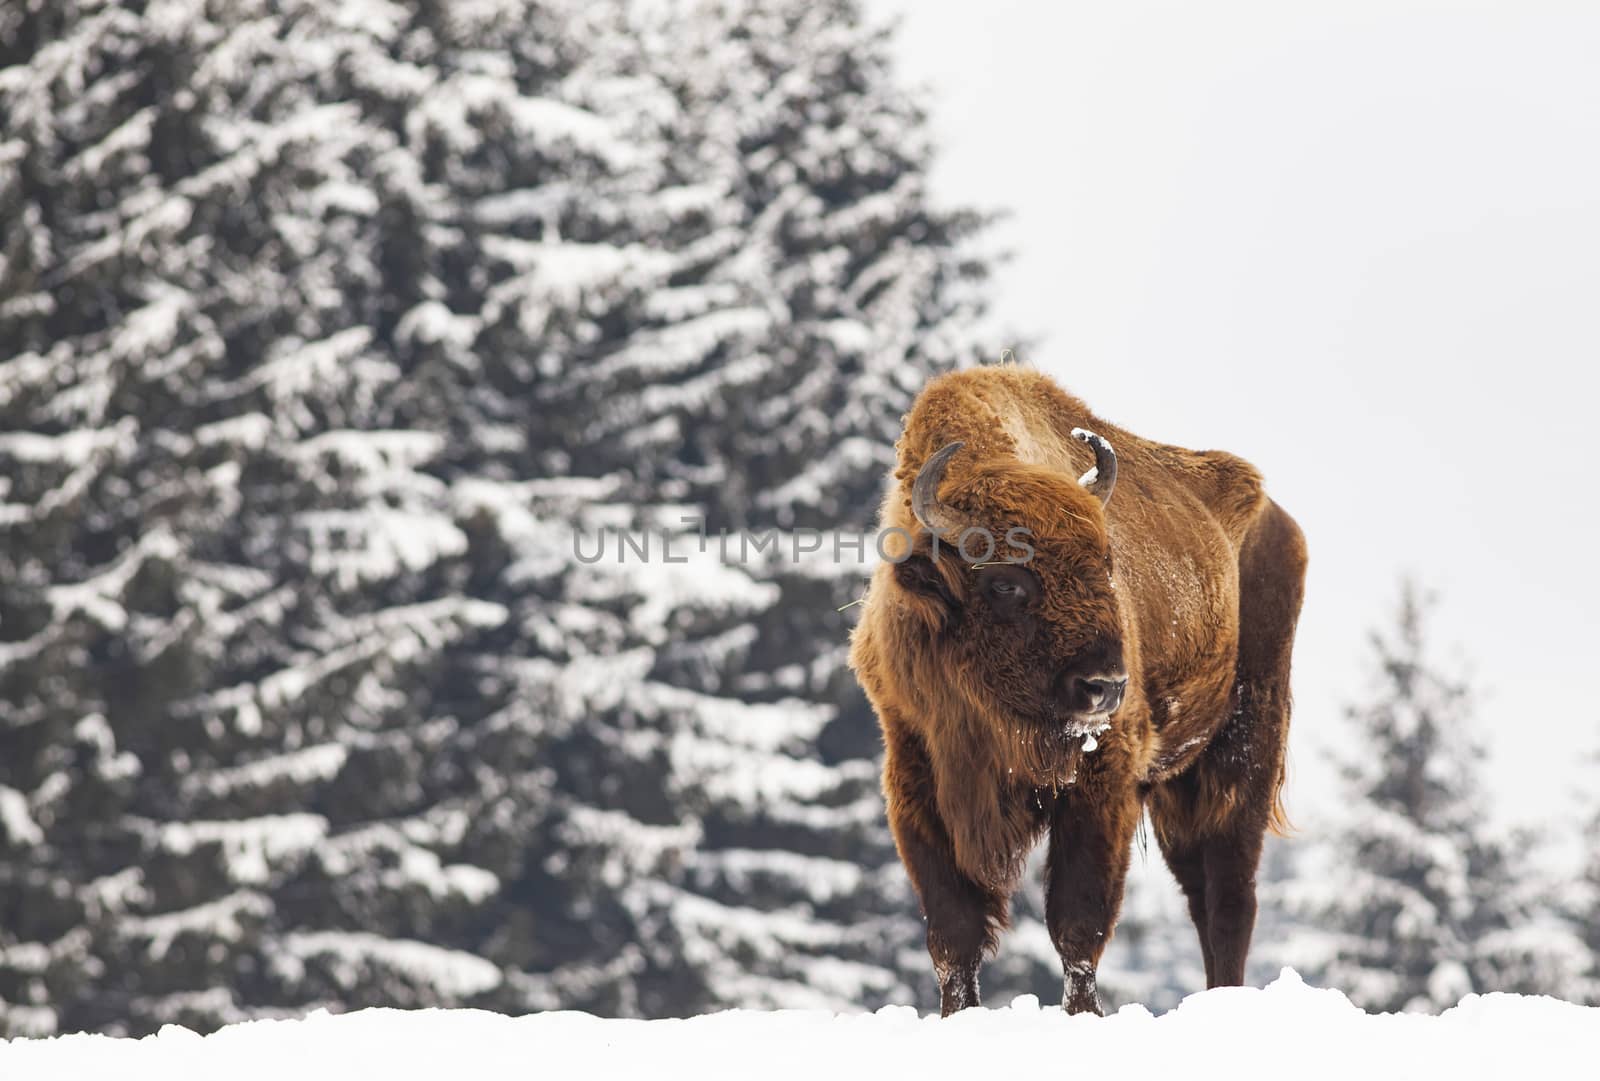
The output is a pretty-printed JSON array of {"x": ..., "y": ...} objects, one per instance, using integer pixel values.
[{"x": 1357, "y": 243}]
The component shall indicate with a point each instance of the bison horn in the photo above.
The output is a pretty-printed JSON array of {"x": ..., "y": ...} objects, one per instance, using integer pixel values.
[
  {"x": 925, "y": 504},
  {"x": 1103, "y": 477}
]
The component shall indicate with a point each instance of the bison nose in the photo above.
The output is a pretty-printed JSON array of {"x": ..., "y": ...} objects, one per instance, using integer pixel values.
[{"x": 1103, "y": 694}]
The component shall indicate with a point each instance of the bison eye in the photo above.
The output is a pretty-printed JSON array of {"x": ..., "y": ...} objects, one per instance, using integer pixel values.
[{"x": 1006, "y": 589}]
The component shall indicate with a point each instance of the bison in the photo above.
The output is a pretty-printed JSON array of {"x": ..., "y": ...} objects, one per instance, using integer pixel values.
[{"x": 1079, "y": 626}]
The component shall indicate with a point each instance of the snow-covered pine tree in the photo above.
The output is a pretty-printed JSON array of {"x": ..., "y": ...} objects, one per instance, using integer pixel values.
[
  {"x": 326, "y": 334},
  {"x": 1525, "y": 942},
  {"x": 788, "y": 289},
  {"x": 230, "y": 576},
  {"x": 1423, "y": 900},
  {"x": 1579, "y": 903}
]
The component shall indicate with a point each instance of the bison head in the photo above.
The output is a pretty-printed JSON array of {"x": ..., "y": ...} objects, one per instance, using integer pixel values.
[{"x": 1011, "y": 577}]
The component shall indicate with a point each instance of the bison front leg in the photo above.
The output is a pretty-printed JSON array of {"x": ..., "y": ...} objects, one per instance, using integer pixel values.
[
  {"x": 1090, "y": 839},
  {"x": 963, "y": 917}
]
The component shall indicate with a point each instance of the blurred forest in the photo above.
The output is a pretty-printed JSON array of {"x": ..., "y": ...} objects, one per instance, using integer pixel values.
[{"x": 325, "y": 329}]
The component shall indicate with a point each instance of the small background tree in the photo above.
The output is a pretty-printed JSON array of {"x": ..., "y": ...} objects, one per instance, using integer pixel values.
[
  {"x": 1581, "y": 903},
  {"x": 1421, "y": 900}
]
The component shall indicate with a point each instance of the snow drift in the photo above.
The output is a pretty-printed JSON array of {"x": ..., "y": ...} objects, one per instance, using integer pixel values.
[{"x": 1287, "y": 1028}]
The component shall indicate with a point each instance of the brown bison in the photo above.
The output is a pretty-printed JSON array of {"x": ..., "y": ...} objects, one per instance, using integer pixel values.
[{"x": 1079, "y": 625}]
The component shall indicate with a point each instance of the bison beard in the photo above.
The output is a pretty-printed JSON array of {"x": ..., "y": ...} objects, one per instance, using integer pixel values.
[
  {"x": 1139, "y": 661},
  {"x": 1044, "y": 758}
]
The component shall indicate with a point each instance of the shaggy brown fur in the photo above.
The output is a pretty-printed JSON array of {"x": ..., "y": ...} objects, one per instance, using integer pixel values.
[{"x": 1189, "y": 578}]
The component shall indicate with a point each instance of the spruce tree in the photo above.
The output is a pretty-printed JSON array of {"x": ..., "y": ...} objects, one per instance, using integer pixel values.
[
  {"x": 1423, "y": 900},
  {"x": 1579, "y": 904},
  {"x": 716, "y": 817},
  {"x": 327, "y": 338}
]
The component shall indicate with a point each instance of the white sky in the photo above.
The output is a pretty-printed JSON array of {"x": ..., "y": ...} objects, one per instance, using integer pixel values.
[{"x": 1357, "y": 243}]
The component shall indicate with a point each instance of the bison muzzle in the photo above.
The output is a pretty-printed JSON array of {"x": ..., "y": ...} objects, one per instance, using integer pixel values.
[{"x": 1125, "y": 648}]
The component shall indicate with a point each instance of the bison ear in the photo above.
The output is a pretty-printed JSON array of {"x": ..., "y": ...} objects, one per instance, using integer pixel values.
[{"x": 928, "y": 591}]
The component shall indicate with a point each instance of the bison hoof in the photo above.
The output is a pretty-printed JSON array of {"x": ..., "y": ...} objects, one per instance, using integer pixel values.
[
  {"x": 1088, "y": 1005},
  {"x": 1078, "y": 993},
  {"x": 959, "y": 990}
]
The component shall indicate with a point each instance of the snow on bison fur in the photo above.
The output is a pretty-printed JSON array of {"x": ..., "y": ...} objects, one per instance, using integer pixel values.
[{"x": 1125, "y": 645}]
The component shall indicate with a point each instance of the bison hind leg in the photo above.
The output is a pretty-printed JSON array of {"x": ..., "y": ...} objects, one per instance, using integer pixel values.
[
  {"x": 1213, "y": 853},
  {"x": 1212, "y": 819}
]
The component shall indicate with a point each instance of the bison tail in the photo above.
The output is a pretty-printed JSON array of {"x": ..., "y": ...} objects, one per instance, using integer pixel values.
[{"x": 1278, "y": 817}]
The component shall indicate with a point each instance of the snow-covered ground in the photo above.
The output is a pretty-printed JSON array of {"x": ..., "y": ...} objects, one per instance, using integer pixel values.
[{"x": 1286, "y": 1029}]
